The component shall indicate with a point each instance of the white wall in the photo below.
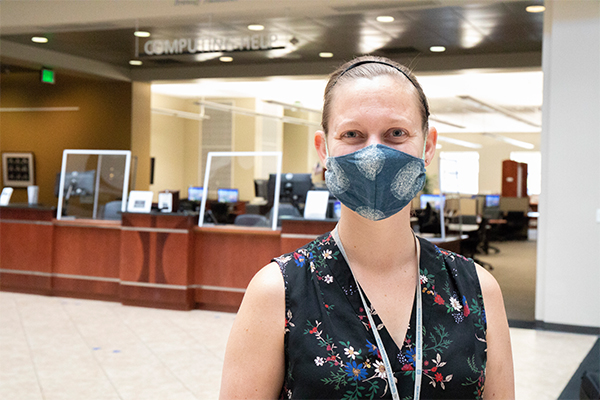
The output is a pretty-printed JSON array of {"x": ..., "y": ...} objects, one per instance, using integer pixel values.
[
  {"x": 568, "y": 272},
  {"x": 491, "y": 156}
]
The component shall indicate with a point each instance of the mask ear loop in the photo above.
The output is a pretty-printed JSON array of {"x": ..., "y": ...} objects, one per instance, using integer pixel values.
[
  {"x": 327, "y": 147},
  {"x": 425, "y": 146}
]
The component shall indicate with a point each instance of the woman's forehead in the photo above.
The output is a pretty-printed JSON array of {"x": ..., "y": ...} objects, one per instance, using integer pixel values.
[{"x": 383, "y": 88}]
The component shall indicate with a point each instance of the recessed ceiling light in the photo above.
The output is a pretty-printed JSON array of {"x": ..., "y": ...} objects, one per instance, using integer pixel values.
[
  {"x": 535, "y": 9},
  {"x": 226, "y": 59},
  {"x": 256, "y": 27},
  {"x": 437, "y": 49},
  {"x": 141, "y": 34},
  {"x": 325, "y": 54},
  {"x": 39, "y": 39},
  {"x": 385, "y": 18},
  {"x": 135, "y": 62}
]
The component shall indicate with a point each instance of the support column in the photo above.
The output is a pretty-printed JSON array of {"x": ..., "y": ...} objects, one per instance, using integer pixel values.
[
  {"x": 568, "y": 270},
  {"x": 140, "y": 133}
]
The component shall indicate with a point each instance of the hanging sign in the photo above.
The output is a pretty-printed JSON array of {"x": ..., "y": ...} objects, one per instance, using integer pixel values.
[{"x": 160, "y": 47}]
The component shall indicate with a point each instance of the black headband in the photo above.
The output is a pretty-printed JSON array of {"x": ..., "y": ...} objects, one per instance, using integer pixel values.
[{"x": 383, "y": 63}]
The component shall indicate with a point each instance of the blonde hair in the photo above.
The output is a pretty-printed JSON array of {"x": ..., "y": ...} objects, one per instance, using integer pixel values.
[{"x": 370, "y": 67}]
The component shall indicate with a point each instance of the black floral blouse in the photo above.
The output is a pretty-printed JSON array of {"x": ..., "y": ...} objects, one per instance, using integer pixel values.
[{"x": 330, "y": 350}]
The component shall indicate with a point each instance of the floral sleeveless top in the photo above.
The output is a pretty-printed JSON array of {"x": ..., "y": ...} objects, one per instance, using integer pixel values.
[{"x": 330, "y": 350}]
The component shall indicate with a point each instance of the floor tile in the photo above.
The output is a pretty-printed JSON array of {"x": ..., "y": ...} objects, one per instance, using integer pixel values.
[{"x": 69, "y": 349}]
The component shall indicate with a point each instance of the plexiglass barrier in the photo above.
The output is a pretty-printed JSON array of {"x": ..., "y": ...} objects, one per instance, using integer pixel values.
[
  {"x": 93, "y": 184},
  {"x": 236, "y": 182}
]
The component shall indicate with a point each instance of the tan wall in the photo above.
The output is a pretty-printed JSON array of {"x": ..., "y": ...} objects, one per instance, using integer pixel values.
[
  {"x": 174, "y": 143},
  {"x": 299, "y": 154},
  {"x": 140, "y": 135},
  {"x": 295, "y": 145},
  {"x": 244, "y": 133},
  {"x": 102, "y": 122}
]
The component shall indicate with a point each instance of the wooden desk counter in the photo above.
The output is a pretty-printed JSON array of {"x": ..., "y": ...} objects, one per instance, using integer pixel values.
[
  {"x": 85, "y": 259},
  {"x": 156, "y": 260},
  {"x": 26, "y": 243},
  {"x": 296, "y": 232},
  {"x": 225, "y": 258},
  {"x": 155, "y": 264}
]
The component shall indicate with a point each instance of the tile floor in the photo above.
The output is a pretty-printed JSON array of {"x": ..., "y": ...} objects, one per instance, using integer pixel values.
[{"x": 55, "y": 348}]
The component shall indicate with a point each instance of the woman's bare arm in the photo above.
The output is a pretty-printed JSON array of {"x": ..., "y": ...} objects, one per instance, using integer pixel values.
[
  {"x": 254, "y": 358},
  {"x": 499, "y": 375}
]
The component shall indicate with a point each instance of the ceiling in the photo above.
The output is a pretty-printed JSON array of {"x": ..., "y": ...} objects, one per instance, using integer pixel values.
[{"x": 493, "y": 48}]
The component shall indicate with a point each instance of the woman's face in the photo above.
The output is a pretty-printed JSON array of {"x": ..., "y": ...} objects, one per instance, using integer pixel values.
[{"x": 383, "y": 110}]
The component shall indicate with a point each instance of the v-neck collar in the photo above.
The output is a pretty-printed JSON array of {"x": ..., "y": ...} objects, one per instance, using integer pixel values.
[{"x": 343, "y": 276}]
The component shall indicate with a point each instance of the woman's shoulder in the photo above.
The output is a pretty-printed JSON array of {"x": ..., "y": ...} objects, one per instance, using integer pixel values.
[
  {"x": 307, "y": 253},
  {"x": 447, "y": 260}
]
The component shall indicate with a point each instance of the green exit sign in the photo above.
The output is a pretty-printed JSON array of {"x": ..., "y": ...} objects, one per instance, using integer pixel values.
[{"x": 47, "y": 75}]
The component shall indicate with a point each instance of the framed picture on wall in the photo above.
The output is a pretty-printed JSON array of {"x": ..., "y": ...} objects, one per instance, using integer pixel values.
[{"x": 18, "y": 169}]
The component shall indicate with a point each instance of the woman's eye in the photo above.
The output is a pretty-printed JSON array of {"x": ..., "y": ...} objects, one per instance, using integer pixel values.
[
  {"x": 397, "y": 133},
  {"x": 351, "y": 134}
]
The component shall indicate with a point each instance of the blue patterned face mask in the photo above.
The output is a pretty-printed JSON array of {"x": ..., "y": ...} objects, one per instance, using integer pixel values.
[{"x": 376, "y": 182}]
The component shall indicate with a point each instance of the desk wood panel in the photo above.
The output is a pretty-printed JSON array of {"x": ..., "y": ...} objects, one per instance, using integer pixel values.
[
  {"x": 159, "y": 220},
  {"x": 176, "y": 299},
  {"x": 229, "y": 258},
  {"x": 85, "y": 289},
  {"x": 154, "y": 257},
  {"x": 297, "y": 233},
  {"x": 155, "y": 254},
  {"x": 86, "y": 249},
  {"x": 26, "y": 246},
  {"x": 308, "y": 227},
  {"x": 26, "y": 239},
  {"x": 26, "y": 283},
  {"x": 26, "y": 213}
]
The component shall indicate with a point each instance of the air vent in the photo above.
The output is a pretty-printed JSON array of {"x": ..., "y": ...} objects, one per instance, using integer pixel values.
[
  {"x": 166, "y": 61},
  {"x": 8, "y": 69},
  {"x": 398, "y": 50},
  {"x": 79, "y": 27},
  {"x": 387, "y": 5}
]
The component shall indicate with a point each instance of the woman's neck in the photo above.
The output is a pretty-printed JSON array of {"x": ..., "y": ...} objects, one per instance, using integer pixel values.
[{"x": 378, "y": 245}]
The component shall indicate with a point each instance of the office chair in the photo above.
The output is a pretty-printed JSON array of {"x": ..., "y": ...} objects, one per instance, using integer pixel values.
[
  {"x": 251, "y": 220},
  {"x": 516, "y": 225},
  {"x": 112, "y": 210},
  {"x": 285, "y": 210},
  {"x": 476, "y": 243},
  {"x": 429, "y": 220}
]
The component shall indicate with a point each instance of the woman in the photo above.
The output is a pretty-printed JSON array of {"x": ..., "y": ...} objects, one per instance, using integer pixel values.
[{"x": 342, "y": 315}]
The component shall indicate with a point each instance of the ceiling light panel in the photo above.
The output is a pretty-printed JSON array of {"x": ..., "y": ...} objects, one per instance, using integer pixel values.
[
  {"x": 535, "y": 9},
  {"x": 385, "y": 18}
]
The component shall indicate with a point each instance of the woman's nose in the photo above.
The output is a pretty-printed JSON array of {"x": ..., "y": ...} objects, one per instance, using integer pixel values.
[{"x": 373, "y": 139}]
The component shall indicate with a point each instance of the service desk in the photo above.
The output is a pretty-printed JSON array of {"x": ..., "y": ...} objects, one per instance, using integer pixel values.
[{"x": 155, "y": 260}]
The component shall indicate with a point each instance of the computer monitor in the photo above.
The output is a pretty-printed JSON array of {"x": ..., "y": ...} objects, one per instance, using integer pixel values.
[
  {"x": 77, "y": 183},
  {"x": 492, "y": 200},
  {"x": 195, "y": 193},
  {"x": 434, "y": 199},
  {"x": 293, "y": 188},
  {"x": 261, "y": 188},
  {"x": 227, "y": 195}
]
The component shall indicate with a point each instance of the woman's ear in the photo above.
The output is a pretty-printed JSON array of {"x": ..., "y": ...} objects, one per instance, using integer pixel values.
[
  {"x": 320, "y": 143},
  {"x": 430, "y": 143}
]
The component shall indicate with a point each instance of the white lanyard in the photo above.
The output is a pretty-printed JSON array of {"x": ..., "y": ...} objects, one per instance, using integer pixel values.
[{"x": 418, "y": 332}]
